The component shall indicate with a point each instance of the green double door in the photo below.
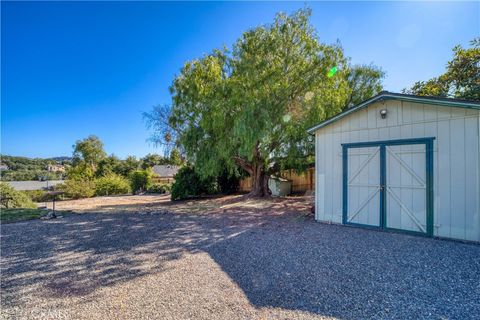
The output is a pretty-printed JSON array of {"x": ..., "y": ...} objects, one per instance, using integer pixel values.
[{"x": 388, "y": 185}]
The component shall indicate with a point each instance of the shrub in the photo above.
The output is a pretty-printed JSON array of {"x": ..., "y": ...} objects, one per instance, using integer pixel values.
[
  {"x": 159, "y": 188},
  {"x": 228, "y": 182},
  {"x": 167, "y": 187},
  {"x": 140, "y": 180},
  {"x": 189, "y": 184},
  {"x": 37, "y": 195},
  {"x": 12, "y": 198},
  {"x": 111, "y": 184},
  {"x": 77, "y": 188}
]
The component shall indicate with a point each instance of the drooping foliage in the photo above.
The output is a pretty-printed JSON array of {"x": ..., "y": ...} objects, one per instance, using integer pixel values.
[
  {"x": 460, "y": 80},
  {"x": 251, "y": 106}
]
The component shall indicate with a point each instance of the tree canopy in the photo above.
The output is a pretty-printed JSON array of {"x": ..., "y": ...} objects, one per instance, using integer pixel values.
[
  {"x": 461, "y": 78},
  {"x": 251, "y": 106},
  {"x": 88, "y": 151}
]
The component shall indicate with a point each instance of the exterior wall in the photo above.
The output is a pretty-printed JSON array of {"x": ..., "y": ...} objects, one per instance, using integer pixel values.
[{"x": 456, "y": 159}]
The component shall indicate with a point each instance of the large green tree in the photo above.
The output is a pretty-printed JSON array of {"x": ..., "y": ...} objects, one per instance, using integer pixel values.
[
  {"x": 108, "y": 166},
  {"x": 251, "y": 106},
  {"x": 88, "y": 151},
  {"x": 461, "y": 78}
]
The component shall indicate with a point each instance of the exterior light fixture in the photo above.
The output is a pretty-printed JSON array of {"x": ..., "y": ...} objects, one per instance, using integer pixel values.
[{"x": 383, "y": 113}]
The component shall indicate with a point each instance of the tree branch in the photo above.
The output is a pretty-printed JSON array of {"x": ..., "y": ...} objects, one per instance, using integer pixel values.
[{"x": 244, "y": 164}]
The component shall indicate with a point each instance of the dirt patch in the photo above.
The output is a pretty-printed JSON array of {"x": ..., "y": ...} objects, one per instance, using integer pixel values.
[{"x": 153, "y": 203}]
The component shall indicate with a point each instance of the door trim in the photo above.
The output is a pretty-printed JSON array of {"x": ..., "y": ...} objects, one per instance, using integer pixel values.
[{"x": 428, "y": 142}]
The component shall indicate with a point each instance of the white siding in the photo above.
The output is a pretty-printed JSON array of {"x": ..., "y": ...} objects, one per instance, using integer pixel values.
[{"x": 456, "y": 159}]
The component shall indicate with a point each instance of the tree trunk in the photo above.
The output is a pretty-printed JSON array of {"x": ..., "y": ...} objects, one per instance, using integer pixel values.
[
  {"x": 259, "y": 183},
  {"x": 257, "y": 171}
]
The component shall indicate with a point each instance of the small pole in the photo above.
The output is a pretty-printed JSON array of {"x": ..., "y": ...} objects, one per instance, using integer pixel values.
[{"x": 54, "y": 198}]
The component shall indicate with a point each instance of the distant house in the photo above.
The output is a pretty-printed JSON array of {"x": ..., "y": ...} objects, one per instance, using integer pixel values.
[
  {"x": 164, "y": 173},
  {"x": 55, "y": 168},
  {"x": 3, "y": 167}
]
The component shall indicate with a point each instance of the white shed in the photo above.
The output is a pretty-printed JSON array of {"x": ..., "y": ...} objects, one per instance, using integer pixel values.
[
  {"x": 279, "y": 186},
  {"x": 403, "y": 163}
]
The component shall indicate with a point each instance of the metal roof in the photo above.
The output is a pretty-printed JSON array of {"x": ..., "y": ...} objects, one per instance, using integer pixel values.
[{"x": 385, "y": 95}]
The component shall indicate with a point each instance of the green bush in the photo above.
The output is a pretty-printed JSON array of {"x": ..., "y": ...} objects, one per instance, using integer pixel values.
[
  {"x": 189, "y": 184},
  {"x": 77, "y": 188},
  {"x": 111, "y": 184},
  {"x": 159, "y": 188},
  {"x": 167, "y": 187},
  {"x": 37, "y": 195},
  {"x": 11, "y": 198},
  {"x": 228, "y": 182},
  {"x": 140, "y": 180}
]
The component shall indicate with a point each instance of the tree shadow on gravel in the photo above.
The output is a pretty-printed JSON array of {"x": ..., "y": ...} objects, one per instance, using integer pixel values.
[
  {"x": 273, "y": 251},
  {"x": 76, "y": 255},
  {"x": 351, "y": 273}
]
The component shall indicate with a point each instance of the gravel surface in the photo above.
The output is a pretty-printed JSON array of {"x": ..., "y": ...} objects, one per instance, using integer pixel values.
[{"x": 239, "y": 261}]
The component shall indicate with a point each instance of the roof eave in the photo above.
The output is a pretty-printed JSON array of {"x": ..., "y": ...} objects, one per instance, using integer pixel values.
[{"x": 392, "y": 96}]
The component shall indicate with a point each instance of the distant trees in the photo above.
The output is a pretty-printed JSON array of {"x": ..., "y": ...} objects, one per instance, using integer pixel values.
[
  {"x": 151, "y": 159},
  {"x": 94, "y": 173},
  {"x": 109, "y": 165},
  {"x": 460, "y": 80},
  {"x": 140, "y": 180},
  {"x": 364, "y": 81},
  {"x": 111, "y": 184},
  {"x": 88, "y": 152},
  {"x": 90, "y": 161},
  {"x": 154, "y": 159},
  {"x": 91, "y": 172},
  {"x": 22, "y": 168}
]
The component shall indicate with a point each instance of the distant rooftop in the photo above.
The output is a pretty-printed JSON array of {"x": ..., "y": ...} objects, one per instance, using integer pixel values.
[{"x": 165, "y": 170}]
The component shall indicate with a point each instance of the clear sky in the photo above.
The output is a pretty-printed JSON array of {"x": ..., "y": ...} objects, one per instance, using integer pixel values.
[{"x": 69, "y": 70}]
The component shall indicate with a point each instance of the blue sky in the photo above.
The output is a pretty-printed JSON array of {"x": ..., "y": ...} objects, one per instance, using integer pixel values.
[{"x": 69, "y": 70}]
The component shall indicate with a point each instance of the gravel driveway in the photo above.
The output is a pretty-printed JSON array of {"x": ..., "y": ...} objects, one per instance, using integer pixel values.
[{"x": 237, "y": 263}]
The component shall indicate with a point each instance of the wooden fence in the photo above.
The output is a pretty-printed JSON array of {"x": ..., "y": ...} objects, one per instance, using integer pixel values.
[
  {"x": 162, "y": 180},
  {"x": 300, "y": 182}
]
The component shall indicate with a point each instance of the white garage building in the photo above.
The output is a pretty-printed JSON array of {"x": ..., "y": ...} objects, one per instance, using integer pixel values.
[{"x": 401, "y": 162}]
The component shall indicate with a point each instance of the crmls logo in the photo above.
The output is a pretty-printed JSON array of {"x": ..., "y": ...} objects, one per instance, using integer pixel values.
[{"x": 43, "y": 314}]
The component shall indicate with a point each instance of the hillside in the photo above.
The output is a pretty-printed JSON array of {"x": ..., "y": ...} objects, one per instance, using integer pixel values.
[{"x": 22, "y": 168}]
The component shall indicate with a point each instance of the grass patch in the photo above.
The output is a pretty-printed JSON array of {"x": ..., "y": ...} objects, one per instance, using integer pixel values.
[{"x": 20, "y": 214}]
